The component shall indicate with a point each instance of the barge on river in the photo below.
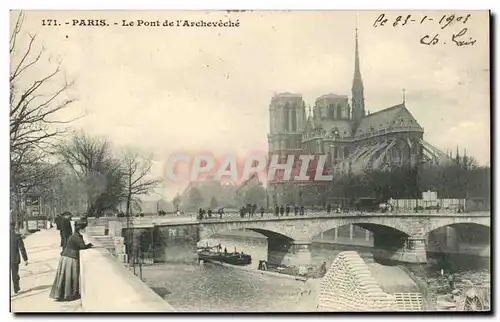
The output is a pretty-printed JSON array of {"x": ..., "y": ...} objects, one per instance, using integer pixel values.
[{"x": 234, "y": 258}]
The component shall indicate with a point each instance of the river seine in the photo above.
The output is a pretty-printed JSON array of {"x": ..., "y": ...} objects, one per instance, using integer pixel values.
[{"x": 214, "y": 288}]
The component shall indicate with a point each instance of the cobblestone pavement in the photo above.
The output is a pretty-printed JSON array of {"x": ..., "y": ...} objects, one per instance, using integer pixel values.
[{"x": 37, "y": 277}]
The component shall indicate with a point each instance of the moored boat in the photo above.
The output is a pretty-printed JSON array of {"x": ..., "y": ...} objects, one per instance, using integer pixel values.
[
  {"x": 207, "y": 254},
  {"x": 237, "y": 259}
]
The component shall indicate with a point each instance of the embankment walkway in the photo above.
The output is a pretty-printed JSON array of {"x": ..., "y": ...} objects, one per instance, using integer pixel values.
[
  {"x": 106, "y": 284},
  {"x": 37, "y": 277}
]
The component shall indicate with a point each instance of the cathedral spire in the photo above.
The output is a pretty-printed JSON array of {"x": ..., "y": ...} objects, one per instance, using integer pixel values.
[
  {"x": 357, "y": 72},
  {"x": 358, "y": 98}
]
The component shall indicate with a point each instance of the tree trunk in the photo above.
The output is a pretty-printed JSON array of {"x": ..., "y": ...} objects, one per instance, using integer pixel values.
[
  {"x": 16, "y": 214},
  {"x": 129, "y": 193},
  {"x": 129, "y": 197}
]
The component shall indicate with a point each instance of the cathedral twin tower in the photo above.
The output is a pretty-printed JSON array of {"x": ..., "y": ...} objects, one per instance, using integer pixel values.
[{"x": 288, "y": 119}]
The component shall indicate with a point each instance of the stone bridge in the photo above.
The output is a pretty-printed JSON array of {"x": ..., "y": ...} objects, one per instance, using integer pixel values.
[
  {"x": 397, "y": 236},
  {"x": 402, "y": 235}
]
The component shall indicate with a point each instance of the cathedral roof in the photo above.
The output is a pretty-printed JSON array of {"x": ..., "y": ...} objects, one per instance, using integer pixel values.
[
  {"x": 287, "y": 95},
  {"x": 395, "y": 117},
  {"x": 332, "y": 95}
]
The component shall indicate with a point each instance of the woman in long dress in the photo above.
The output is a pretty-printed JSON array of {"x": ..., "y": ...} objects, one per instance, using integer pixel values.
[{"x": 66, "y": 285}]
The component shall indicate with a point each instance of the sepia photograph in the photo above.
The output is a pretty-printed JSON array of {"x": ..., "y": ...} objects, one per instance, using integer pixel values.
[{"x": 244, "y": 161}]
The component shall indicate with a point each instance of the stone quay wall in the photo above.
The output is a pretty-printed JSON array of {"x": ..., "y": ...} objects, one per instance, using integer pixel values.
[{"x": 108, "y": 286}]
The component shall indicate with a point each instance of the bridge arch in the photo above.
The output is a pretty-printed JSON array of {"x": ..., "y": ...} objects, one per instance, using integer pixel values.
[
  {"x": 273, "y": 229},
  {"x": 284, "y": 243},
  {"x": 451, "y": 246},
  {"x": 384, "y": 236},
  {"x": 372, "y": 227},
  {"x": 382, "y": 224},
  {"x": 269, "y": 234},
  {"x": 452, "y": 221},
  {"x": 471, "y": 234}
]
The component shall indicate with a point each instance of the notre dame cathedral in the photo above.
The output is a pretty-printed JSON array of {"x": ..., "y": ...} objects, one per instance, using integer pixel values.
[{"x": 353, "y": 139}]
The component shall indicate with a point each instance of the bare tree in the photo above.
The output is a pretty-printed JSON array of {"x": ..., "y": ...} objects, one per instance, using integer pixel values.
[
  {"x": 34, "y": 105},
  {"x": 31, "y": 110},
  {"x": 92, "y": 161},
  {"x": 136, "y": 169}
]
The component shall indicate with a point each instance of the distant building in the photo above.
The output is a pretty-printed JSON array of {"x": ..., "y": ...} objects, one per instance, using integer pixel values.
[{"x": 353, "y": 139}]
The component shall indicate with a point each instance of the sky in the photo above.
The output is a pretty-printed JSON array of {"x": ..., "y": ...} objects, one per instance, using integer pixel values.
[{"x": 167, "y": 89}]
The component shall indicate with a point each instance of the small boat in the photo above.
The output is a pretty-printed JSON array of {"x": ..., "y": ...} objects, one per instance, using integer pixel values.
[{"x": 237, "y": 259}]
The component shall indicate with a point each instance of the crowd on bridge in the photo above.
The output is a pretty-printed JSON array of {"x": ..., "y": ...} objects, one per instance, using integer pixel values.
[
  {"x": 252, "y": 210},
  {"x": 202, "y": 214}
]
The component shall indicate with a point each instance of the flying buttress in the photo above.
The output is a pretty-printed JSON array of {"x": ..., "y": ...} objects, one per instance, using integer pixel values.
[
  {"x": 434, "y": 153},
  {"x": 377, "y": 162}
]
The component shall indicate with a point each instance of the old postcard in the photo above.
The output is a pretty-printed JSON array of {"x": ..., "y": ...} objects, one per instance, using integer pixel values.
[{"x": 250, "y": 161}]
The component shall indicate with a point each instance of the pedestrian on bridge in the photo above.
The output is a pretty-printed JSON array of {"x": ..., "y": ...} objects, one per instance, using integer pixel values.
[
  {"x": 17, "y": 250},
  {"x": 282, "y": 210},
  {"x": 66, "y": 286},
  {"x": 287, "y": 209},
  {"x": 262, "y": 212},
  {"x": 276, "y": 211}
]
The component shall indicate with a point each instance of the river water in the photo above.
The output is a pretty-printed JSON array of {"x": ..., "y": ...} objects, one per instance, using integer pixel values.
[{"x": 215, "y": 288}]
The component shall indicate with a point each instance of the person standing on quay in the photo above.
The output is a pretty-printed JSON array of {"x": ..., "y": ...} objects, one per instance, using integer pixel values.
[
  {"x": 66, "y": 229},
  {"x": 17, "y": 250},
  {"x": 58, "y": 221},
  {"x": 66, "y": 286}
]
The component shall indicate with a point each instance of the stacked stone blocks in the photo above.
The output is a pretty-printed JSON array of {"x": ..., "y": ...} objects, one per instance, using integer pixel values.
[{"x": 349, "y": 286}]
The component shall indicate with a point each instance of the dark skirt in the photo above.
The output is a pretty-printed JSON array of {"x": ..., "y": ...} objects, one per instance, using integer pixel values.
[{"x": 66, "y": 285}]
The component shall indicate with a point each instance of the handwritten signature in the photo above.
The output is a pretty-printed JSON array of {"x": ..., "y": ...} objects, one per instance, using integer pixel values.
[{"x": 458, "y": 39}]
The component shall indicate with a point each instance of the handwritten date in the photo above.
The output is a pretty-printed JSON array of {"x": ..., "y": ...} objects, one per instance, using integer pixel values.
[{"x": 444, "y": 21}]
